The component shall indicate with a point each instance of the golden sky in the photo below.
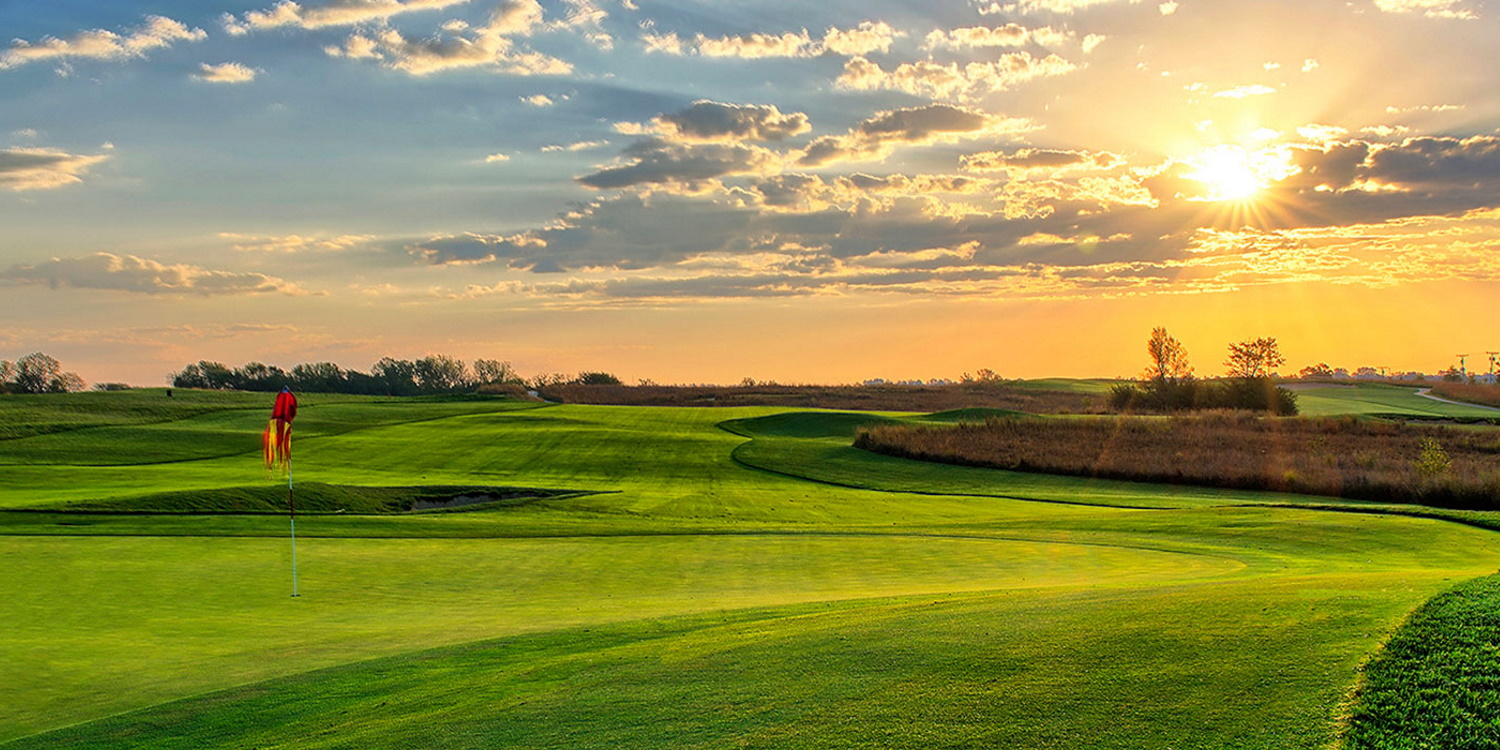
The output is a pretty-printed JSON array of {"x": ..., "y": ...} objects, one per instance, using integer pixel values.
[{"x": 701, "y": 191}]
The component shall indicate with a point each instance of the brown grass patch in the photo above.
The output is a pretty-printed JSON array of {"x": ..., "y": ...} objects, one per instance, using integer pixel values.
[
  {"x": 1343, "y": 457},
  {"x": 1487, "y": 395}
]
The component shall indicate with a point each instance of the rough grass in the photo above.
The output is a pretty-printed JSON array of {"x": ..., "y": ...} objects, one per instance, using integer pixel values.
[
  {"x": 1436, "y": 683},
  {"x": 1379, "y": 461},
  {"x": 1487, "y": 395}
]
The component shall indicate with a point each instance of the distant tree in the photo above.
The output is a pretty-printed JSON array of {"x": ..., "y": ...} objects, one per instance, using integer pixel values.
[
  {"x": 258, "y": 376},
  {"x": 1169, "y": 361},
  {"x": 7, "y": 371},
  {"x": 548, "y": 378},
  {"x": 318, "y": 377},
  {"x": 398, "y": 377},
  {"x": 1453, "y": 375},
  {"x": 39, "y": 373},
  {"x": 440, "y": 373},
  {"x": 1254, "y": 359},
  {"x": 488, "y": 371},
  {"x": 111, "y": 386},
  {"x": 205, "y": 374},
  {"x": 1319, "y": 370},
  {"x": 986, "y": 375},
  {"x": 596, "y": 378}
]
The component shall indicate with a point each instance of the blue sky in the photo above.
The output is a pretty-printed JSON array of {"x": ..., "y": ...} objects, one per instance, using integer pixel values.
[{"x": 705, "y": 191}]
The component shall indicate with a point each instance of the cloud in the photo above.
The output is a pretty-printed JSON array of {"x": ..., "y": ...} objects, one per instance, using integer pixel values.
[
  {"x": 974, "y": 37},
  {"x": 102, "y": 44},
  {"x": 867, "y": 37},
  {"x": 690, "y": 167},
  {"x": 574, "y": 146},
  {"x": 1244, "y": 92},
  {"x": 962, "y": 83},
  {"x": 133, "y": 274},
  {"x": 1028, "y": 7},
  {"x": 230, "y": 72},
  {"x": 539, "y": 100},
  {"x": 715, "y": 122},
  {"x": 488, "y": 46},
  {"x": 875, "y": 137},
  {"x": 1040, "y": 159},
  {"x": 332, "y": 13},
  {"x": 1424, "y": 108},
  {"x": 1429, "y": 8},
  {"x": 496, "y": 157},
  {"x": 294, "y": 243},
  {"x": 43, "y": 168}
]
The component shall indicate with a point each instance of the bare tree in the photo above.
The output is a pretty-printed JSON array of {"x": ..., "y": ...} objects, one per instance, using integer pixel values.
[
  {"x": 1169, "y": 362},
  {"x": 1254, "y": 359}
]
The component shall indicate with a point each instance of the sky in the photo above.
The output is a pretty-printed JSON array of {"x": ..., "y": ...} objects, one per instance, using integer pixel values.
[{"x": 693, "y": 192}]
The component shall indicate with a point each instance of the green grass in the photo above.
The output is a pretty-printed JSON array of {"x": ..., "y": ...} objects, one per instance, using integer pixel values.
[
  {"x": 1375, "y": 398},
  {"x": 757, "y": 585},
  {"x": 1436, "y": 683}
]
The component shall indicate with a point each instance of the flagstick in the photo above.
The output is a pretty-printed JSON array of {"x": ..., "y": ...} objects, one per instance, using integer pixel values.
[{"x": 291, "y": 508}]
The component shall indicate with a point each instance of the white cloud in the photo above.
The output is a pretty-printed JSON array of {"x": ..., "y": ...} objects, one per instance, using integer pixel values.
[
  {"x": 1091, "y": 41},
  {"x": 575, "y": 146},
  {"x": 332, "y": 13},
  {"x": 1063, "y": 7},
  {"x": 1009, "y": 35},
  {"x": 496, "y": 157},
  {"x": 1429, "y": 8},
  {"x": 102, "y": 44},
  {"x": 133, "y": 274},
  {"x": 963, "y": 83},
  {"x": 1309, "y": 65},
  {"x": 294, "y": 243},
  {"x": 539, "y": 100},
  {"x": 1167, "y": 8},
  {"x": 877, "y": 136},
  {"x": 42, "y": 168},
  {"x": 1244, "y": 92},
  {"x": 708, "y": 121},
  {"x": 489, "y": 46},
  {"x": 867, "y": 37},
  {"x": 230, "y": 72}
]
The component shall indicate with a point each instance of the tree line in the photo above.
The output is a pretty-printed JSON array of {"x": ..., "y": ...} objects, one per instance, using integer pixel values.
[
  {"x": 1168, "y": 383},
  {"x": 37, "y": 373},
  {"x": 432, "y": 374}
]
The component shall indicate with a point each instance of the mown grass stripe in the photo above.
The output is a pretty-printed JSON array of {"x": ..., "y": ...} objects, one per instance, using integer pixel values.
[{"x": 1436, "y": 684}]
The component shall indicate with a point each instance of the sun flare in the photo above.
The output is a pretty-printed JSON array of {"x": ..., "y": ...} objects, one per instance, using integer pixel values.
[{"x": 1234, "y": 173}]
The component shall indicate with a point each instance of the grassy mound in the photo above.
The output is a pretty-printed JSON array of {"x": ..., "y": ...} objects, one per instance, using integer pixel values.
[
  {"x": 1437, "y": 682},
  {"x": 316, "y": 497}
]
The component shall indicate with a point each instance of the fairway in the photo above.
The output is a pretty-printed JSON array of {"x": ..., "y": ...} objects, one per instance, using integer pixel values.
[{"x": 700, "y": 578}]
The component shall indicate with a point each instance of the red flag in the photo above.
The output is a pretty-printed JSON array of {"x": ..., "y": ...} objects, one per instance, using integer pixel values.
[{"x": 277, "y": 440}]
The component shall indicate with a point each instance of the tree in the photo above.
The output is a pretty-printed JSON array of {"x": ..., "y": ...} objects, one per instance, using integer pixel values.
[
  {"x": 487, "y": 371},
  {"x": 319, "y": 377},
  {"x": 1254, "y": 359},
  {"x": 1319, "y": 370},
  {"x": 1169, "y": 362},
  {"x": 440, "y": 373},
  {"x": 39, "y": 373},
  {"x": 396, "y": 376},
  {"x": 595, "y": 378}
]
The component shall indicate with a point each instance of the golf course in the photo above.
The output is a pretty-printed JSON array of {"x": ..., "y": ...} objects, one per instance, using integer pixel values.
[{"x": 487, "y": 572}]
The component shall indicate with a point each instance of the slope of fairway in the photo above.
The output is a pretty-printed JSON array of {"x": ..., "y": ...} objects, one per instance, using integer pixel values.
[{"x": 1374, "y": 398}]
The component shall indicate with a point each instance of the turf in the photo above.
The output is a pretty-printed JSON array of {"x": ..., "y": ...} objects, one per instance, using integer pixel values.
[
  {"x": 1437, "y": 682},
  {"x": 695, "y": 586}
]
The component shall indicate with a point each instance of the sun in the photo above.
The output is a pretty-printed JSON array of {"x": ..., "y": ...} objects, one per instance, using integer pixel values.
[{"x": 1235, "y": 173}]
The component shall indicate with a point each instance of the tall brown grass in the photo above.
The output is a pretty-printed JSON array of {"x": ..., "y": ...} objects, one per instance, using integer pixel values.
[
  {"x": 857, "y": 397},
  {"x": 1344, "y": 457},
  {"x": 1474, "y": 393}
]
